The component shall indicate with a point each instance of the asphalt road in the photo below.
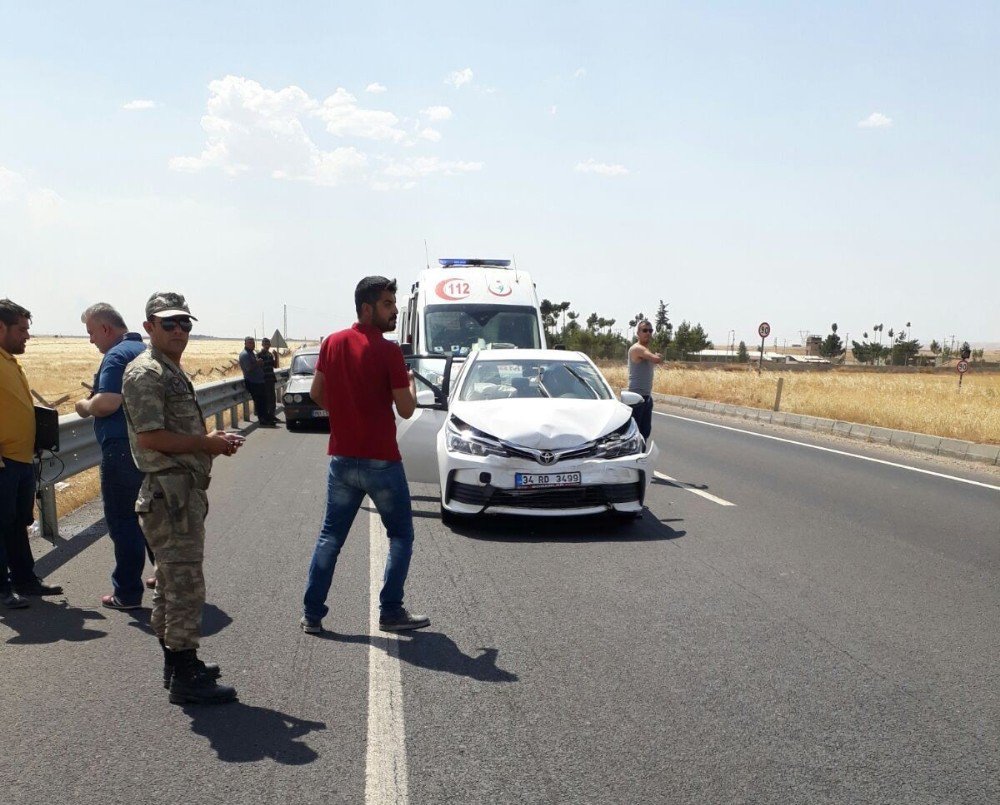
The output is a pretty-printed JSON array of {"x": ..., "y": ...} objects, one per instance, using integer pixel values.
[{"x": 832, "y": 636}]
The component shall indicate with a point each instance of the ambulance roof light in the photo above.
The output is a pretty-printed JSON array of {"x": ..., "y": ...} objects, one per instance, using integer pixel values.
[{"x": 451, "y": 262}]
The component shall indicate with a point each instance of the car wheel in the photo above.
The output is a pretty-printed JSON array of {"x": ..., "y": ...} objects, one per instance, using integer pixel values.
[{"x": 291, "y": 424}]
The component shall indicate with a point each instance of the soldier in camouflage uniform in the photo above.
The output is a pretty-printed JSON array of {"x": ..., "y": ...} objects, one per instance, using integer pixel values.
[{"x": 172, "y": 447}]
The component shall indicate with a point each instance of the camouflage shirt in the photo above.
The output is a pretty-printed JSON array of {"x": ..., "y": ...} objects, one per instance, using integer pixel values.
[{"x": 159, "y": 396}]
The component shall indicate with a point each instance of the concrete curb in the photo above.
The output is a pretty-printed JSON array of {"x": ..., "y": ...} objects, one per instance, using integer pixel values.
[{"x": 937, "y": 445}]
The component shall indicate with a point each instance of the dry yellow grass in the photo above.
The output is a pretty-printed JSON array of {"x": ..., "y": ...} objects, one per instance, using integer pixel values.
[
  {"x": 924, "y": 403},
  {"x": 57, "y": 367}
]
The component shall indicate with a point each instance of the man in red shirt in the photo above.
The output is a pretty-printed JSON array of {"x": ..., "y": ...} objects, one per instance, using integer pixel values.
[{"x": 359, "y": 377}]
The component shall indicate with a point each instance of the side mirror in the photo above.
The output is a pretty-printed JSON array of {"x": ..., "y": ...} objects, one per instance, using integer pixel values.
[
  {"x": 631, "y": 398},
  {"x": 558, "y": 346},
  {"x": 432, "y": 392},
  {"x": 407, "y": 349}
]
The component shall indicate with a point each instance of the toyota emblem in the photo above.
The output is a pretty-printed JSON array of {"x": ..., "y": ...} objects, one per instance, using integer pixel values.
[{"x": 546, "y": 457}]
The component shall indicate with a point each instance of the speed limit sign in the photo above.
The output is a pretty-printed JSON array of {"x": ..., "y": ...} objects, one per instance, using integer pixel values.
[
  {"x": 963, "y": 367},
  {"x": 764, "y": 330}
]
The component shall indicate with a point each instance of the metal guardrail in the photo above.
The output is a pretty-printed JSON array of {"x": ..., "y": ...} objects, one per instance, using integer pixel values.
[{"x": 79, "y": 449}]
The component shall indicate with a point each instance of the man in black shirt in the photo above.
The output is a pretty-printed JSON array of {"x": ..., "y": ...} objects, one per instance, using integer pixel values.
[{"x": 268, "y": 360}]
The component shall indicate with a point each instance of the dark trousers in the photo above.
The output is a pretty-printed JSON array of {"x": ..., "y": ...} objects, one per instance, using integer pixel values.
[
  {"x": 120, "y": 482},
  {"x": 257, "y": 394},
  {"x": 17, "y": 500},
  {"x": 643, "y": 416},
  {"x": 270, "y": 400}
]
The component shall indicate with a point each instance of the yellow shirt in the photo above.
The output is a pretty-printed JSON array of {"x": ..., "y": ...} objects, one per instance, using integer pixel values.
[{"x": 17, "y": 412}]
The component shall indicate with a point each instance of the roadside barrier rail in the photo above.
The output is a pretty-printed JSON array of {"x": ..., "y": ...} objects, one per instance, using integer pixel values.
[{"x": 79, "y": 449}]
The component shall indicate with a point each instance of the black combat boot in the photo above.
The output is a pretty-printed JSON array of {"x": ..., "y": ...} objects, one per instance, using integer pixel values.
[
  {"x": 192, "y": 684},
  {"x": 210, "y": 668}
]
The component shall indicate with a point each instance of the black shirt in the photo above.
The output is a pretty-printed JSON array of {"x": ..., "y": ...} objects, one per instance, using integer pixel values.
[{"x": 267, "y": 364}]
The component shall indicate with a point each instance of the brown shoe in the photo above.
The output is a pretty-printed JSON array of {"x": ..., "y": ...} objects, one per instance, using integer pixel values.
[
  {"x": 151, "y": 583},
  {"x": 114, "y": 602}
]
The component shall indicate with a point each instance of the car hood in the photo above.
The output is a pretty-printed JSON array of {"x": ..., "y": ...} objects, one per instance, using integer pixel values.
[
  {"x": 544, "y": 423},
  {"x": 299, "y": 384}
]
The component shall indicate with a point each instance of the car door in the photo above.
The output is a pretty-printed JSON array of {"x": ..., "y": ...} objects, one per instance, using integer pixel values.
[{"x": 417, "y": 436}]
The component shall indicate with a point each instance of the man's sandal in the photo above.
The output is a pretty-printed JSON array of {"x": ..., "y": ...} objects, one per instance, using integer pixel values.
[{"x": 114, "y": 602}]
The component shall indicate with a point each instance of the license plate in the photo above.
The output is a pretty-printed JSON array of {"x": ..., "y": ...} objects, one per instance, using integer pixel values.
[
  {"x": 318, "y": 412},
  {"x": 531, "y": 480}
]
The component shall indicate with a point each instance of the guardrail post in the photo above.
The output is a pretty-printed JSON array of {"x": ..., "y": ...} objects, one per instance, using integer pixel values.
[
  {"x": 777, "y": 393},
  {"x": 48, "y": 520},
  {"x": 220, "y": 422},
  {"x": 234, "y": 417},
  {"x": 246, "y": 411}
]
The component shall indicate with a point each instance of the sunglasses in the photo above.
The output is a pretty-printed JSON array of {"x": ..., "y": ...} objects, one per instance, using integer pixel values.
[
  {"x": 645, "y": 329},
  {"x": 169, "y": 325}
]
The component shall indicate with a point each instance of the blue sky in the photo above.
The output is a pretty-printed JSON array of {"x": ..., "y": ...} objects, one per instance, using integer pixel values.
[{"x": 800, "y": 163}]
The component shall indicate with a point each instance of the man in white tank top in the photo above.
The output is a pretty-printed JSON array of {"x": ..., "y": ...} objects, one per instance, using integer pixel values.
[{"x": 641, "y": 364}]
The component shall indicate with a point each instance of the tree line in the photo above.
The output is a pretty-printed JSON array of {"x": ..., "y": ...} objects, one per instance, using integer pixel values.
[{"x": 595, "y": 337}]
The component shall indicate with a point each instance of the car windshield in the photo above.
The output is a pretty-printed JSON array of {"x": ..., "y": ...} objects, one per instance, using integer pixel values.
[
  {"x": 305, "y": 364},
  {"x": 502, "y": 379},
  {"x": 461, "y": 329}
]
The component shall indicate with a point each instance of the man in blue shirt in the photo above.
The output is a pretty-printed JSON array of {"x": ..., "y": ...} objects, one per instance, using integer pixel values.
[{"x": 120, "y": 479}]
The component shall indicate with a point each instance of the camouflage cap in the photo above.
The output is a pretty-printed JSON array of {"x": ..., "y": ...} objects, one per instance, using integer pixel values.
[{"x": 167, "y": 303}]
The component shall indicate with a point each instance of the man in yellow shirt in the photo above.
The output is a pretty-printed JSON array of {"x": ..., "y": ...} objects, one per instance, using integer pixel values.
[{"x": 17, "y": 475}]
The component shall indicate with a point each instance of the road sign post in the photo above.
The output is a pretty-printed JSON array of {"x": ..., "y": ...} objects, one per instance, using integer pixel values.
[
  {"x": 963, "y": 367},
  {"x": 763, "y": 331}
]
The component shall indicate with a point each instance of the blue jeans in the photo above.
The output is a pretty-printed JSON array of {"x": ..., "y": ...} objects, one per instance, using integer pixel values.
[
  {"x": 17, "y": 500},
  {"x": 349, "y": 480},
  {"x": 120, "y": 482}
]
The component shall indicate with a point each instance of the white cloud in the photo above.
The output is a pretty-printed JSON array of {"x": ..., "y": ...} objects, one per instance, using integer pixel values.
[
  {"x": 41, "y": 205},
  {"x": 552, "y": 110},
  {"x": 459, "y": 78},
  {"x": 415, "y": 167},
  {"x": 436, "y": 113},
  {"x": 600, "y": 168},
  {"x": 580, "y": 72},
  {"x": 252, "y": 128},
  {"x": 403, "y": 174},
  {"x": 345, "y": 118},
  {"x": 376, "y": 88},
  {"x": 139, "y": 105},
  {"x": 12, "y": 185},
  {"x": 876, "y": 120}
]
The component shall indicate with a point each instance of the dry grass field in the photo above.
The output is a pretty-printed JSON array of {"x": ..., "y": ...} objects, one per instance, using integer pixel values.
[
  {"x": 57, "y": 368},
  {"x": 925, "y": 403}
]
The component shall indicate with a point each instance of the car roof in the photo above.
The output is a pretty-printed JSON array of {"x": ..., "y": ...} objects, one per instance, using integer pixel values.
[
  {"x": 306, "y": 351},
  {"x": 530, "y": 355}
]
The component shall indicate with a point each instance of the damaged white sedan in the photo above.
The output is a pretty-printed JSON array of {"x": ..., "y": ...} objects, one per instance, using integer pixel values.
[{"x": 530, "y": 432}]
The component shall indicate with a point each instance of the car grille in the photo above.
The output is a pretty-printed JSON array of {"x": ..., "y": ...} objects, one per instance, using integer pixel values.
[{"x": 577, "y": 497}]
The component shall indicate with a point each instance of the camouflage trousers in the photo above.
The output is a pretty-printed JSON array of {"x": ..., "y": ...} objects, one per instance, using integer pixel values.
[{"x": 172, "y": 515}]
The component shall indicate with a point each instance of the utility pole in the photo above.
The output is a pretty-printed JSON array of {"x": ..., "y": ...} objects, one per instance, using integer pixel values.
[{"x": 284, "y": 332}]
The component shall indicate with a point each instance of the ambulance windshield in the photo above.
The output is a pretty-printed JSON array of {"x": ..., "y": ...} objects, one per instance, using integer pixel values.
[{"x": 461, "y": 329}]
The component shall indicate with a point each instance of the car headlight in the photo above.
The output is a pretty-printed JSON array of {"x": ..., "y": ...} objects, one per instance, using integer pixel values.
[
  {"x": 461, "y": 437},
  {"x": 626, "y": 441},
  {"x": 287, "y": 398},
  {"x": 297, "y": 398}
]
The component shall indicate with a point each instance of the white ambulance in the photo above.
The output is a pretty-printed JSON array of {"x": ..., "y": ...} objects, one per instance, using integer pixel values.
[{"x": 468, "y": 304}]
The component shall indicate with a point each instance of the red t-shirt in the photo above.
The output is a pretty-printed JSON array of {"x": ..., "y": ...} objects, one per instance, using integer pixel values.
[{"x": 360, "y": 370}]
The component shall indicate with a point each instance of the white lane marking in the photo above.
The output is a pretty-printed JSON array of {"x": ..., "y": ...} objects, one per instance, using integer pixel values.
[
  {"x": 386, "y": 779},
  {"x": 837, "y": 452},
  {"x": 699, "y": 492}
]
